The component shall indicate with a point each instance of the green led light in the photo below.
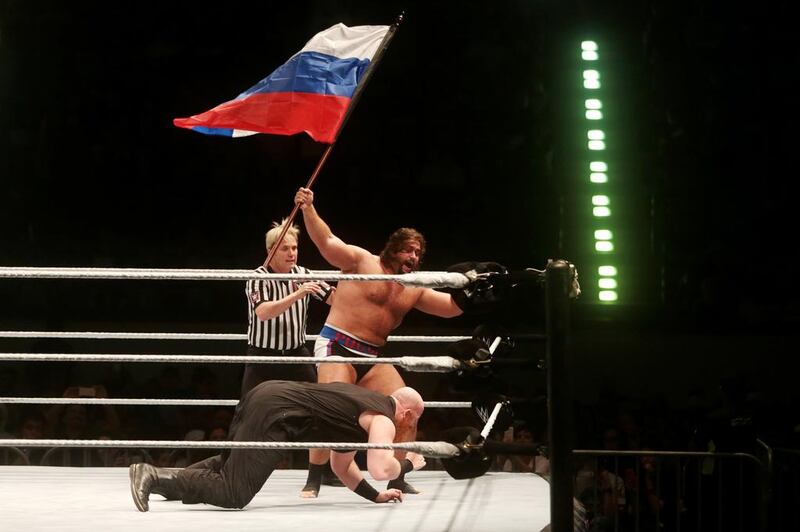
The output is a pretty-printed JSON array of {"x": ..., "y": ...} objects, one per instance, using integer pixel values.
[
  {"x": 607, "y": 271},
  {"x": 607, "y": 284},
  {"x": 591, "y": 79},
  {"x": 607, "y": 295},
  {"x": 597, "y": 145},
  {"x": 598, "y": 173}
]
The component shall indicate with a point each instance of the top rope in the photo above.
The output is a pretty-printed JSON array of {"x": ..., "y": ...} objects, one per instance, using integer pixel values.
[
  {"x": 418, "y": 279},
  {"x": 100, "y": 335}
]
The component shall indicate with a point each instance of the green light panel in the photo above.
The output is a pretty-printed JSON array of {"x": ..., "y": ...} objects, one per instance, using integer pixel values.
[{"x": 607, "y": 282}]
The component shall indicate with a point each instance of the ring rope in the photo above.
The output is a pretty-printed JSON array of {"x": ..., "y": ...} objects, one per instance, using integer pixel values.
[
  {"x": 419, "y": 279},
  {"x": 433, "y": 449},
  {"x": 168, "y": 402},
  {"x": 426, "y": 364},
  {"x": 97, "y": 335}
]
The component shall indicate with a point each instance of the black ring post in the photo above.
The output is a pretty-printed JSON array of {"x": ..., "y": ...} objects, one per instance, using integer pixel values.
[{"x": 559, "y": 395}]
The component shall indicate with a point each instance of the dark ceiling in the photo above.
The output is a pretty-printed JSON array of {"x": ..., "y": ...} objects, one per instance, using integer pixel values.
[{"x": 466, "y": 132}]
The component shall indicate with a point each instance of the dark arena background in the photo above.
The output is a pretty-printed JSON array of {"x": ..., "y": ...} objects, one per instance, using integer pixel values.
[{"x": 651, "y": 143}]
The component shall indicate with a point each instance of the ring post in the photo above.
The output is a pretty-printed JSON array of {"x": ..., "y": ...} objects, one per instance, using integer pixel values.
[{"x": 559, "y": 395}]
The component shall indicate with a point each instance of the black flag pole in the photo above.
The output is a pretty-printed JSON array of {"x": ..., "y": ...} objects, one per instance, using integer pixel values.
[{"x": 353, "y": 101}]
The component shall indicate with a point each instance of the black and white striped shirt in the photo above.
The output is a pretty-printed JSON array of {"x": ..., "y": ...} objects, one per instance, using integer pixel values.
[{"x": 286, "y": 331}]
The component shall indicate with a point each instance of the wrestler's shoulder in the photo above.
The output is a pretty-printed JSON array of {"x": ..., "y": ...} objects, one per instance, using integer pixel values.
[{"x": 369, "y": 264}]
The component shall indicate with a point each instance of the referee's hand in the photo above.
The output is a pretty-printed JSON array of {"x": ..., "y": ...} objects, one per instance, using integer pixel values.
[{"x": 312, "y": 288}]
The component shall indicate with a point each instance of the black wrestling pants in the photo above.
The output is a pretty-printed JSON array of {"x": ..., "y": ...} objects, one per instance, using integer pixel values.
[{"x": 232, "y": 479}]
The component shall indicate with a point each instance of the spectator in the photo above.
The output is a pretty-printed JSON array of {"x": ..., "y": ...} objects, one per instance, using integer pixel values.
[
  {"x": 538, "y": 464},
  {"x": 31, "y": 427},
  {"x": 76, "y": 422}
]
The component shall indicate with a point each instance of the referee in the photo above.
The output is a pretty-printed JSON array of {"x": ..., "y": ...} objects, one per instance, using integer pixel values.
[{"x": 277, "y": 312}]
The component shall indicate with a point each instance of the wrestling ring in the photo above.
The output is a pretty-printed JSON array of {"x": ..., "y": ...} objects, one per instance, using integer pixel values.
[{"x": 464, "y": 497}]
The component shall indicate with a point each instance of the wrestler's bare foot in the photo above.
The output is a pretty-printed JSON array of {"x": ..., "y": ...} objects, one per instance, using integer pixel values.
[
  {"x": 311, "y": 489},
  {"x": 309, "y": 493}
]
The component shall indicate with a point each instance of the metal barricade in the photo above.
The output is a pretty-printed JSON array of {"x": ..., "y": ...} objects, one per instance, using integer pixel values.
[
  {"x": 666, "y": 491},
  {"x": 785, "y": 509},
  {"x": 13, "y": 456}
]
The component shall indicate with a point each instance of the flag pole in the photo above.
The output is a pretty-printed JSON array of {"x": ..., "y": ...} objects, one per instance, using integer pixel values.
[{"x": 353, "y": 101}]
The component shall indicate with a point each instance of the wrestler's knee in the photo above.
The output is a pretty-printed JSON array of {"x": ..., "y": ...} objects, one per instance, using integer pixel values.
[
  {"x": 240, "y": 502},
  {"x": 238, "y": 498}
]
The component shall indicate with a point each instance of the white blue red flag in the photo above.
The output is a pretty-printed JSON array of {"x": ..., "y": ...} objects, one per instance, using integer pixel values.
[{"x": 309, "y": 93}]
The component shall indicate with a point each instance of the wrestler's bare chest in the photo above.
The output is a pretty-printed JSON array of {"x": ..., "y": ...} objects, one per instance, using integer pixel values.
[{"x": 391, "y": 295}]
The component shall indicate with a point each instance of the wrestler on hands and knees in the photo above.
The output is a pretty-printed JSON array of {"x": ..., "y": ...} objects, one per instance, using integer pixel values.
[
  {"x": 284, "y": 411},
  {"x": 364, "y": 313}
]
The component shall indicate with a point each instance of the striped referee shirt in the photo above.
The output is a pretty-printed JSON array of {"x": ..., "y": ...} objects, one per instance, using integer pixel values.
[{"x": 286, "y": 331}]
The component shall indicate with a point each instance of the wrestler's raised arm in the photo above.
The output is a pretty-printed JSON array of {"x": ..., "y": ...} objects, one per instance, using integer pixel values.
[{"x": 333, "y": 249}]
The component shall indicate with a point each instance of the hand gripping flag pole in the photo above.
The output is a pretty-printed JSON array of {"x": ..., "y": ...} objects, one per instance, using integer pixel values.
[{"x": 356, "y": 95}]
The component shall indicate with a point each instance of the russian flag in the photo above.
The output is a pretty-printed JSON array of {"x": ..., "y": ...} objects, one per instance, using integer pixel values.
[{"x": 309, "y": 93}]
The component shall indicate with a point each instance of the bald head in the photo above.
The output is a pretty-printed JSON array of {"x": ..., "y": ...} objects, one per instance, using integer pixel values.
[{"x": 409, "y": 399}]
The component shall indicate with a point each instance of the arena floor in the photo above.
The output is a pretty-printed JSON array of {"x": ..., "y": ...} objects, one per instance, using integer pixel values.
[{"x": 81, "y": 499}]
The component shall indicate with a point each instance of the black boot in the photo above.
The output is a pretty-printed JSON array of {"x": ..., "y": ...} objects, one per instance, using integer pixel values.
[
  {"x": 329, "y": 478},
  {"x": 166, "y": 485},
  {"x": 400, "y": 483},
  {"x": 146, "y": 479},
  {"x": 311, "y": 489}
]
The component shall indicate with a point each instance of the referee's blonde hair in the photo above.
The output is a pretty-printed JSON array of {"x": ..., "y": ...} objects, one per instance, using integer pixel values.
[{"x": 272, "y": 234}]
